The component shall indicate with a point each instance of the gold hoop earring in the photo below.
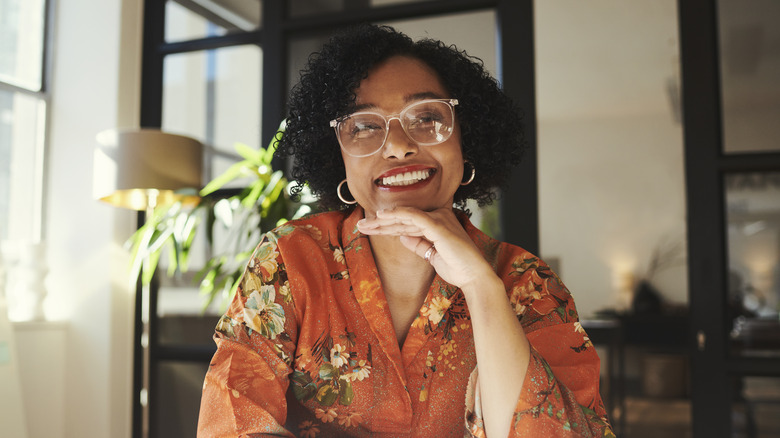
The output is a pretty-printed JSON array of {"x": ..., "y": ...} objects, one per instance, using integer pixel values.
[
  {"x": 473, "y": 173},
  {"x": 338, "y": 193}
]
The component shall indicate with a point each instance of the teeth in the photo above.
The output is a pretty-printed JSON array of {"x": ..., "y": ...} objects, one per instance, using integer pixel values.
[{"x": 404, "y": 179}]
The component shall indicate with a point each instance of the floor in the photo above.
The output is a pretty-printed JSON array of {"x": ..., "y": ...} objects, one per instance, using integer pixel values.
[
  {"x": 670, "y": 418},
  {"x": 667, "y": 418},
  {"x": 657, "y": 407}
]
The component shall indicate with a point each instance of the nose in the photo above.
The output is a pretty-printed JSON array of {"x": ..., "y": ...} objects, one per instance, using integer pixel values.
[{"x": 398, "y": 144}]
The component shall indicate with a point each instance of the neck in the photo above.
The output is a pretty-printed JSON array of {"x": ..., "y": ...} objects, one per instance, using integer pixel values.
[{"x": 403, "y": 274}]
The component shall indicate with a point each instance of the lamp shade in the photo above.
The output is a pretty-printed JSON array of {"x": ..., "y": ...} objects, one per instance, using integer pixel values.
[{"x": 142, "y": 168}]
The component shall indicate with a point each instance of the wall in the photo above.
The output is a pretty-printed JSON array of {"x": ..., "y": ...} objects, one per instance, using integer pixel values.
[
  {"x": 611, "y": 190},
  {"x": 94, "y": 87},
  {"x": 611, "y": 173}
]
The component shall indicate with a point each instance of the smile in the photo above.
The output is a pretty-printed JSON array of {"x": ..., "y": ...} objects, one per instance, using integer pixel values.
[{"x": 406, "y": 178}]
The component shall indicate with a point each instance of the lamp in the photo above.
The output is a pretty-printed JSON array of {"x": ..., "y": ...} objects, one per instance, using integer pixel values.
[{"x": 140, "y": 169}]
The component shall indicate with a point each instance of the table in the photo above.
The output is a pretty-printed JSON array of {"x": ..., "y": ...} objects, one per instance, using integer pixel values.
[{"x": 665, "y": 332}]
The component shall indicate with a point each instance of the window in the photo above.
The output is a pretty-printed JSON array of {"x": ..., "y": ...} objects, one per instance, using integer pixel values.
[{"x": 23, "y": 109}]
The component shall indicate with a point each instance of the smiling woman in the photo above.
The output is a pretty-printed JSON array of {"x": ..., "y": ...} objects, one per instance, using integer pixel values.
[
  {"x": 395, "y": 314},
  {"x": 490, "y": 130},
  {"x": 392, "y": 175}
]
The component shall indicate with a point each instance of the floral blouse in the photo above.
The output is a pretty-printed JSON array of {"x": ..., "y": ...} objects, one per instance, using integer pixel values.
[{"x": 307, "y": 347}]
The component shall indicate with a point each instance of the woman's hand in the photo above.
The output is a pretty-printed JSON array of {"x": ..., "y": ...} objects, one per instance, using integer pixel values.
[
  {"x": 499, "y": 340},
  {"x": 456, "y": 259}
]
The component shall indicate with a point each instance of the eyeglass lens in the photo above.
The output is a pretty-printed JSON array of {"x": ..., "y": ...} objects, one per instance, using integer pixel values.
[{"x": 426, "y": 122}]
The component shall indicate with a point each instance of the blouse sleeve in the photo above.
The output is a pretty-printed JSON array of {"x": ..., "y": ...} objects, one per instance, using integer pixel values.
[
  {"x": 244, "y": 388},
  {"x": 560, "y": 394}
]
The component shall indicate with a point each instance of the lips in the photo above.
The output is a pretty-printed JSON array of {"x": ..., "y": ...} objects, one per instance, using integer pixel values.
[{"x": 404, "y": 177}]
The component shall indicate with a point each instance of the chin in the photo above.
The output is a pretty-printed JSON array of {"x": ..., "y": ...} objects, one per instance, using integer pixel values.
[{"x": 420, "y": 204}]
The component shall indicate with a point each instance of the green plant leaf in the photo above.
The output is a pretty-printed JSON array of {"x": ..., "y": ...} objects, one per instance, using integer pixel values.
[
  {"x": 251, "y": 198},
  {"x": 233, "y": 289},
  {"x": 239, "y": 221},
  {"x": 299, "y": 213},
  {"x": 276, "y": 184},
  {"x": 140, "y": 250},
  {"x": 159, "y": 239},
  {"x": 207, "y": 302},
  {"x": 174, "y": 252},
  {"x": 248, "y": 153},
  {"x": 233, "y": 172},
  {"x": 209, "y": 274},
  {"x": 187, "y": 236},
  {"x": 148, "y": 270},
  {"x": 223, "y": 212},
  {"x": 221, "y": 283},
  {"x": 201, "y": 274}
]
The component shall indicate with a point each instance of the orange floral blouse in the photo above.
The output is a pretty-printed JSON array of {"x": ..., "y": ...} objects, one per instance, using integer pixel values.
[{"x": 307, "y": 347}]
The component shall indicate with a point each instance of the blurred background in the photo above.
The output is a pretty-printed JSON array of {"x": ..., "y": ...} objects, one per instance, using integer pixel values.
[{"x": 652, "y": 186}]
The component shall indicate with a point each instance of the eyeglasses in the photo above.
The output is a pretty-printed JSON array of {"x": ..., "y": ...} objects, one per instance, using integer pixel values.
[{"x": 427, "y": 122}]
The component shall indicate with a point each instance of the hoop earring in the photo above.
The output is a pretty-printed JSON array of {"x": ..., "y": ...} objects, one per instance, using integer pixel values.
[
  {"x": 338, "y": 193},
  {"x": 473, "y": 173}
]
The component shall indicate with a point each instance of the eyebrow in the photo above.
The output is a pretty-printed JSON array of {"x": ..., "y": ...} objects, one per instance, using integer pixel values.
[{"x": 408, "y": 99}]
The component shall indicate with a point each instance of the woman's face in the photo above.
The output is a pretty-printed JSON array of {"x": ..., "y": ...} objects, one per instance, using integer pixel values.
[{"x": 389, "y": 88}]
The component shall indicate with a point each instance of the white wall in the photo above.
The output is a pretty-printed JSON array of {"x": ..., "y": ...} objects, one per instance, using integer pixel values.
[
  {"x": 611, "y": 173},
  {"x": 94, "y": 88},
  {"x": 610, "y": 191}
]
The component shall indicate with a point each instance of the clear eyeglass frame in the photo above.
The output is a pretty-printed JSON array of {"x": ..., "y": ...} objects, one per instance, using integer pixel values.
[{"x": 336, "y": 125}]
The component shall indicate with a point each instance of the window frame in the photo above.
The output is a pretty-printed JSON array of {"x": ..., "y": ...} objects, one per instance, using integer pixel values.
[
  {"x": 706, "y": 166},
  {"x": 42, "y": 95}
]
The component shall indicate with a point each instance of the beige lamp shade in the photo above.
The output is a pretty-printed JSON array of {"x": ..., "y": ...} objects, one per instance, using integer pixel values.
[{"x": 142, "y": 168}]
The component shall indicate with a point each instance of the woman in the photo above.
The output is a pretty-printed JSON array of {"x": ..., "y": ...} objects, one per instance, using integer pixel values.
[{"x": 372, "y": 318}]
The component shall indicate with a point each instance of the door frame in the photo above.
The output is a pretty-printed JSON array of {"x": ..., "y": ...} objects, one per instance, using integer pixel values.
[{"x": 706, "y": 166}]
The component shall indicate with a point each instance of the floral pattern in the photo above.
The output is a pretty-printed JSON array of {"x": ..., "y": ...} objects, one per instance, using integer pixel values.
[
  {"x": 263, "y": 264},
  {"x": 309, "y": 429},
  {"x": 435, "y": 312},
  {"x": 311, "y": 318},
  {"x": 326, "y": 415},
  {"x": 262, "y": 314}
]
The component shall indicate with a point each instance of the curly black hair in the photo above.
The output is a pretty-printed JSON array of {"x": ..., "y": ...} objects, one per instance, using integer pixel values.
[{"x": 492, "y": 137}]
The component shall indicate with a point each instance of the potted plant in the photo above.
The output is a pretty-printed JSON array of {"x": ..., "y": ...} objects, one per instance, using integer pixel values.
[{"x": 232, "y": 221}]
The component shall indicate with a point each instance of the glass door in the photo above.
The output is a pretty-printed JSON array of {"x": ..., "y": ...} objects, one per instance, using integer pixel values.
[
  {"x": 749, "y": 41},
  {"x": 731, "y": 100}
]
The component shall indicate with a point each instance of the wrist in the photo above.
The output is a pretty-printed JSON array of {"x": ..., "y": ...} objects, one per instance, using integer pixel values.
[{"x": 488, "y": 285}]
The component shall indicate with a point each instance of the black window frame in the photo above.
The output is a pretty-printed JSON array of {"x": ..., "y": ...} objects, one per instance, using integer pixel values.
[{"x": 706, "y": 167}]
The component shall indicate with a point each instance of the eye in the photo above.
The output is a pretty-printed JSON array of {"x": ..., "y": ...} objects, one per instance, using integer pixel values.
[
  {"x": 364, "y": 129},
  {"x": 425, "y": 119}
]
